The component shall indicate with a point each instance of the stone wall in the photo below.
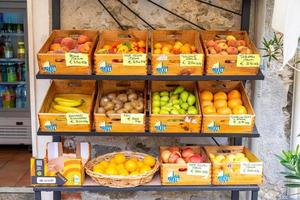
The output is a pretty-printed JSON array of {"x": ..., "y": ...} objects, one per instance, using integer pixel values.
[{"x": 271, "y": 102}]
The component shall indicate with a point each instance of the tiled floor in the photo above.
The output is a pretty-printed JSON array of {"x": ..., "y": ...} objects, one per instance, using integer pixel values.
[{"x": 14, "y": 166}]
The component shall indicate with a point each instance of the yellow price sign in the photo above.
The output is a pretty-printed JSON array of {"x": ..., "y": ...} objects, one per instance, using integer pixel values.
[
  {"x": 134, "y": 59},
  {"x": 191, "y": 60},
  {"x": 240, "y": 120},
  {"x": 130, "y": 118},
  {"x": 248, "y": 60},
  {"x": 77, "y": 59},
  {"x": 77, "y": 118}
]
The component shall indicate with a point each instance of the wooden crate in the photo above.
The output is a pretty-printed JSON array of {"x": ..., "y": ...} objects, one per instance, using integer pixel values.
[
  {"x": 112, "y": 64},
  {"x": 176, "y": 174},
  {"x": 235, "y": 173},
  {"x": 55, "y": 63},
  {"x": 160, "y": 123},
  {"x": 112, "y": 122},
  {"x": 170, "y": 64},
  {"x": 50, "y": 121},
  {"x": 221, "y": 123},
  {"x": 227, "y": 64}
]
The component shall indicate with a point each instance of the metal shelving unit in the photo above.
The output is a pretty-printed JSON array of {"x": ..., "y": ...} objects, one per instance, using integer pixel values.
[{"x": 155, "y": 185}]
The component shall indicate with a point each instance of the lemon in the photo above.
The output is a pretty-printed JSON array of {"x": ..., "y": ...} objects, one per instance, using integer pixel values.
[
  {"x": 120, "y": 166},
  {"x": 134, "y": 173},
  {"x": 104, "y": 164},
  {"x": 149, "y": 160},
  {"x": 134, "y": 159},
  {"x": 123, "y": 172},
  {"x": 98, "y": 168},
  {"x": 145, "y": 169},
  {"x": 111, "y": 171},
  {"x": 139, "y": 164},
  {"x": 119, "y": 158},
  {"x": 131, "y": 165},
  {"x": 112, "y": 164}
]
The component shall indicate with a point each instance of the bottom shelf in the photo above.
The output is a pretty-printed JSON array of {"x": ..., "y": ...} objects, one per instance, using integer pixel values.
[{"x": 154, "y": 185}]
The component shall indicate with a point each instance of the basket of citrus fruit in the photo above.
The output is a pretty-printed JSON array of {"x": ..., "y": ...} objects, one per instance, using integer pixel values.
[{"x": 122, "y": 169}]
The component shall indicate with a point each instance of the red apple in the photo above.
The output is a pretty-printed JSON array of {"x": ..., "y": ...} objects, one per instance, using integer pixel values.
[
  {"x": 196, "y": 158},
  {"x": 173, "y": 157},
  {"x": 172, "y": 149},
  {"x": 165, "y": 155},
  {"x": 187, "y": 152}
]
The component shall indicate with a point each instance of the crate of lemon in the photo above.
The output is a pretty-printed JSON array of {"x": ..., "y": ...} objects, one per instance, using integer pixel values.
[
  {"x": 226, "y": 107},
  {"x": 122, "y": 169}
]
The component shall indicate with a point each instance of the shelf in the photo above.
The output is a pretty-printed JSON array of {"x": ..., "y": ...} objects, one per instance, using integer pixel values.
[
  {"x": 259, "y": 76},
  {"x": 12, "y": 59},
  {"x": 12, "y": 34},
  {"x": 255, "y": 134},
  {"x": 13, "y": 83},
  {"x": 154, "y": 185},
  {"x": 14, "y": 109}
]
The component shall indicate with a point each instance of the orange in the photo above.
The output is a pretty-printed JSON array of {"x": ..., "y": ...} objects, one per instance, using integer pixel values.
[
  {"x": 206, "y": 96},
  {"x": 206, "y": 103},
  {"x": 144, "y": 169},
  {"x": 220, "y": 103},
  {"x": 220, "y": 95},
  {"x": 119, "y": 158},
  {"x": 158, "y": 45},
  {"x": 209, "y": 110},
  {"x": 111, "y": 171},
  {"x": 123, "y": 172},
  {"x": 149, "y": 160},
  {"x": 234, "y": 94},
  {"x": 239, "y": 109},
  {"x": 130, "y": 166},
  {"x": 234, "y": 102},
  {"x": 224, "y": 111}
]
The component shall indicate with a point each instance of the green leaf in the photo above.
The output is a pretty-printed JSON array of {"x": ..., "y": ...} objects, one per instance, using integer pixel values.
[
  {"x": 292, "y": 177},
  {"x": 292, "y": 185}
]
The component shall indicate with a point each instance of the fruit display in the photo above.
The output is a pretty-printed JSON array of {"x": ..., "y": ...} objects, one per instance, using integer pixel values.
[
  {"x": 123, "y": 47},
  {"x": 182, "y": 155},
  {"x": 175, "y": 102},
  {"x": 222, "y": 103},
  {"x": 227, "y": 45},
  {"x": 234, "y": 165},
  {"x": 174, "y": 47},
  {"x": 72, "y": 43},
  {"x": 122, "y": 169},
  {"x": 127, "y": 101}
]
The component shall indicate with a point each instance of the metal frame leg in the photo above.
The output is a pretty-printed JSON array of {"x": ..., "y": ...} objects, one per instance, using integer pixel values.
[
  {"x": 254, "y": 195},
  {"x": 57, "y": 195},
  {"x": 37, "y": 195},
  {"x": 235, "y": 195}
]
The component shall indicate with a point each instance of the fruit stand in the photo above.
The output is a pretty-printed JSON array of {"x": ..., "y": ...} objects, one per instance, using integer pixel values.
[{"x": 161, "y": 86}]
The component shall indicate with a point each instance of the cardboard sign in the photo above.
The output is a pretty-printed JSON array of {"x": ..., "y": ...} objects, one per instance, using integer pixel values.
[
  {"x": 129, "y": 118},
  {"x": 134, "y": 59},
  {"x": 252, "y": 168},
  {"x": 77, "y": 118},
  {"x": 77, "y": 59},
  {"x": 240, "y": 120},
  {"x": 191, "y": 60},
  {"x": 248, "y": 60},
  {"x": 198, "y": 169}
]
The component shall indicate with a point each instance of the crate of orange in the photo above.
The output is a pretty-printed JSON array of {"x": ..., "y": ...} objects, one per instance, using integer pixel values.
[
  {"x": 121, "y": 53},
  {"x": 176, "y": 52},
  {"x": 68, "y": 52},
  {"x": 226, "y": 107}
]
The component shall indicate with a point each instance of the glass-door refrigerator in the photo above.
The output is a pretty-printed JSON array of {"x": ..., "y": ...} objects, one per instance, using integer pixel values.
[{"x": 15, "y": 125}]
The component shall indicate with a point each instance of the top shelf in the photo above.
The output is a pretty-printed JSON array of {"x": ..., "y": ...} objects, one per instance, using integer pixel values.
[{"x": 259, "y": 76}]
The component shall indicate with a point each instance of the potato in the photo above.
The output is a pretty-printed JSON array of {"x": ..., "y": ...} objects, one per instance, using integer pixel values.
[
  {"x": 134, "y": 111},
  {"x": 122, "y": 97},
  {"x": 109, "y": 106},
  {"x": 127, "y": 106},
  {"x": 132, "y": 97},
  {"x": 122, "y": 110},
  {"x": 130, "y": 91},
  {"x": 101, "y": 110},
  {"x": 118, "y": 104},
  {"x": 112, "y": 96},
  {"x": 104, "y": 100},
  {"x": 110, "y": 112},
  {"x": 138, "y": 105}
]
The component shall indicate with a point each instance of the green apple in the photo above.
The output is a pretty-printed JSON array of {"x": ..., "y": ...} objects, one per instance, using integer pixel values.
[
  {"x": 181, "y": 111},
  {"x": 184, "y": 96},
  {"x": 163, "y": 103},
  {"x": 175, "y": 101},
  {"x": 165, "y": 112},
  {"x": 155, "y": 93},
  {"x": 177, "y": 106},
  {"x": 155, "y": 110},
  {"x": 164, "y": 93},
  {"x": 184, "y": 106},
  {"x": 164, "y": 98},
  {"x": 174, "y": 112},
  {"x": 191, "y": 99},
  {"x": 192, "y": 110},
  {"x": 155, "y": 103},
  {"x": 156, "y": 97},
  {"x": 174, "y": 97},
  {"x": 178, "y": 90}
]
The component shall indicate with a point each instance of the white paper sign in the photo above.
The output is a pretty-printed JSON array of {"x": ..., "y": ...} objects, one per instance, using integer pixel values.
[
  {"x": 198, "y": 169},
  {"x": 252, "y": 168}
]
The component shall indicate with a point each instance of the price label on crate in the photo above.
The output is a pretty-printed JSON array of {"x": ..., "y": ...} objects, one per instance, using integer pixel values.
[
  {"x": 77, "y": 59},
  {"x": 198, "y": 169},
  {"x": 248, "y": 60},
  {"x": 240, "y": 120},
  {"x": 77, "y": 118},
  {"x": 252, "y": 168},
  {"x": 134, "y": 59},
  {"x": 191, "y": 60},
  {"x": 132, "y": 118}
]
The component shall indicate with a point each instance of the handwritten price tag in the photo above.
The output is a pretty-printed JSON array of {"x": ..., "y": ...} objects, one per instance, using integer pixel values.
[
  {"x": 134, "y": 59},
  {"x": 248, "y": 60},
  {"x": 127, "y": 118},
  {"x": 253, "y": 168},
  {"x": 198, "y": 169},
  {"x": 77, "y": 118},
  {"x": 77, "y": 59},
  {"x": 191, "y": 60},
  {"x": 240, "y": 120}
]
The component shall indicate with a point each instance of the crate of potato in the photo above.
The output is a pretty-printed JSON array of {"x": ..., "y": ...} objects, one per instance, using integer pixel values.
[
  {"x": 122, "y": 53},
  {"x": 120, "y": 106},
  {"x": 176, "y": 52},
  {"x": 122, "y": 169},
  {"x": 174, "y": 107},
  {"x": 68, "y": 106},
  {"x": 234, "y": 165},
  {"x": 184, "y": 166},
  {"x": 229, "y": 53},
  {"x": 68, "y": 52},
  {"x": 226, "y": 107}
]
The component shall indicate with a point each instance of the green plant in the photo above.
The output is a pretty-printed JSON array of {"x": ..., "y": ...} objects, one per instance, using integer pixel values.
[
  {"x": 273, "y": 47},
  {"x": 291, "y": 161}
]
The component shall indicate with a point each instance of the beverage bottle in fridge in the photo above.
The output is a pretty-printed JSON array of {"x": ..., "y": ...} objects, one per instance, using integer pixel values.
[
  {"x": 6, "y": 98},
  {"x": 19, "y": 98},
  {"x": 24, "y": 96},
  {"x": 8, "y": 49},
  {"x": 11, "y": 73},
  {"x": 12, "y": 93},
  {"x": 18, "y": 67},
  {"x": 24, "y": 72},
  {"x": 4, "y": 72},
  {"x": 2, "y": 89}
]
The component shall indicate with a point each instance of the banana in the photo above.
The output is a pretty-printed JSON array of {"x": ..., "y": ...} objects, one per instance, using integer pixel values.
[
  {"x": 66, "y": 109},
  {"x": 68, "y": 102}
]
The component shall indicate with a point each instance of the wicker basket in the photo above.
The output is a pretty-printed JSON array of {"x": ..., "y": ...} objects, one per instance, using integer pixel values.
[{"x": 120, "y": 181}]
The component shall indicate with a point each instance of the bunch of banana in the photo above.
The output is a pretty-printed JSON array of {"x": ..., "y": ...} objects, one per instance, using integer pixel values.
[{"x": 67, "y": 105}]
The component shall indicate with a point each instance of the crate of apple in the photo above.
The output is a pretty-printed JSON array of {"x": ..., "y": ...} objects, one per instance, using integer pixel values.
[
  {"x": 182, "y": 155},
  {"x": 125, "y": 47}
]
